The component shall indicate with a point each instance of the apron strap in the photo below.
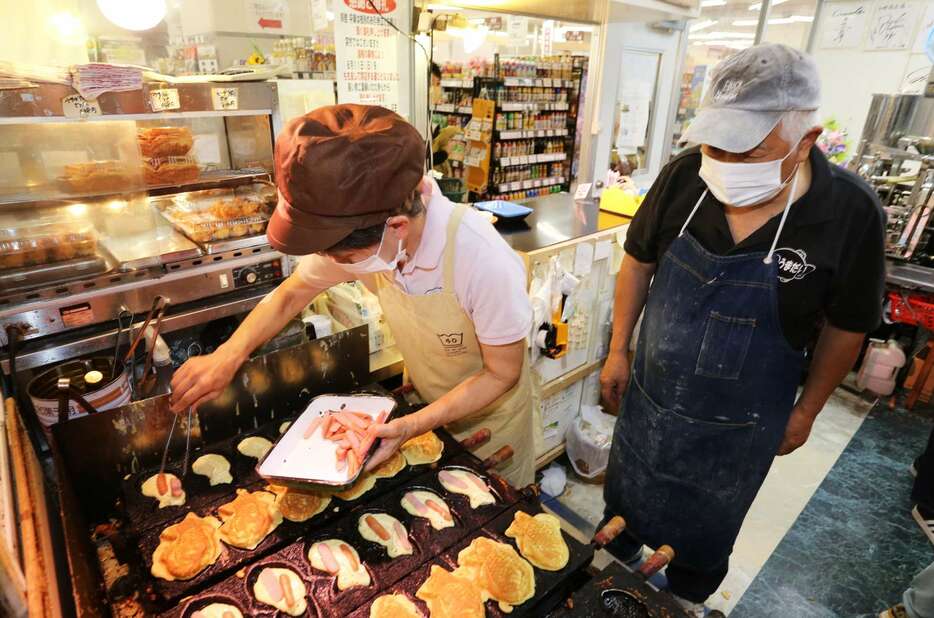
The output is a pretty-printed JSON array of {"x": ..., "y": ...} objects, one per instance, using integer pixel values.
[
  {"x": 693, "y": 210},
  {"x": 450, "y": 246},
  {"x": 781, "y": 224}
]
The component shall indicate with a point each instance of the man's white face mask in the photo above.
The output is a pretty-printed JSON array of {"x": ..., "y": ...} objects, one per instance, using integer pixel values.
[
  {"x": 745, "y": 184},
  {"x": 387, "y": 256}
]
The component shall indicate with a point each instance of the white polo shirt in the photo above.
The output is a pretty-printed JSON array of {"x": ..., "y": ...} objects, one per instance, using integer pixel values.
[{"x": 489, "y": 277}]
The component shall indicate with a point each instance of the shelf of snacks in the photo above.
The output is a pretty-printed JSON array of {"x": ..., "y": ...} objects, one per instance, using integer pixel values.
[{"x": 520, "y": 134}]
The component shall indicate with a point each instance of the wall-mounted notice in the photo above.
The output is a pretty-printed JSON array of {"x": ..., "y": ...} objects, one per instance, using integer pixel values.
[
  {"x": 921, "y": 39},
  {"x": 892, "y": 25},
  {"x": 267, "y": 16},
  {"x": 843, "y": 25},
  {"x": 366, "y": 49}
]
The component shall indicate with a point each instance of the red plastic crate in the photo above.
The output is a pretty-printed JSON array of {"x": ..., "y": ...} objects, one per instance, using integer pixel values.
[{"x": 918, "y": 309}]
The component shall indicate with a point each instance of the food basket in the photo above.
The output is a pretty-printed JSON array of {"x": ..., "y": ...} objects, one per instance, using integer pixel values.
[
  {"x": 45, "y": 243},
  {"x": 215, "y": 215}
]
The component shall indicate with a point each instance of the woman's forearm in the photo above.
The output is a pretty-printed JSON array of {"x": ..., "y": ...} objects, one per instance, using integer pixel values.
[{"x": 269, "y": 317}]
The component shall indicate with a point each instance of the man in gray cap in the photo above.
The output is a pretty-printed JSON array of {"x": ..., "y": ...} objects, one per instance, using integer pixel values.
[{"x": 745, "y": 250}]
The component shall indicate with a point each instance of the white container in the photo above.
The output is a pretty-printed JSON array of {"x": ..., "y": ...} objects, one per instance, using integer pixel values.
[
  {"x": 881, "y": 363},
  {"x": 296, "y": 459}
]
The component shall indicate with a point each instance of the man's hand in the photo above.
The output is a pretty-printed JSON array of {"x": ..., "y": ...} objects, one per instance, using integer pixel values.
[
  {"x": 797, "y": 430},
  {"x": 202, "y": 378},
  {"x": 393, "y": 434},
  {"x": 614, "y": 378}
]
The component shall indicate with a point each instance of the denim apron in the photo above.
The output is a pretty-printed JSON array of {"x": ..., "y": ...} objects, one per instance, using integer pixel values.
[{"x": 711, "y": 390}]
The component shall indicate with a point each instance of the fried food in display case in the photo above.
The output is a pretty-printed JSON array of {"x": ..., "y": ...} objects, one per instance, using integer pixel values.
[
  {"x": 160, "y": 142},
  {"x": 175, "y": 170},
  {"x": 44, "y": 243},
  {"x": 99, "y": 177},
  {"x": 216, "y": 214}
]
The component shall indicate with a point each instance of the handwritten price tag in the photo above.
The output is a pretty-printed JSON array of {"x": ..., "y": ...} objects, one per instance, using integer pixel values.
[
  {"x": 76, "y": 106},
  {"x": 225, "y": 98},
  {"x": 164, "y": 99}
]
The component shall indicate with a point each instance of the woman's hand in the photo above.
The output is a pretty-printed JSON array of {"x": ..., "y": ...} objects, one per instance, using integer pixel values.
[
  {"x": 393, "y": 435},
  {"x": 202, "y": 378}
]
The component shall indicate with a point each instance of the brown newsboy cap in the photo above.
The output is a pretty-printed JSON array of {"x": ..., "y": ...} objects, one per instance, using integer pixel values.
[{"x": 341, "y": 168}]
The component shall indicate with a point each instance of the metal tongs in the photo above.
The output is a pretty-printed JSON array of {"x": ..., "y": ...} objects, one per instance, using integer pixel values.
[{"x": 165, "y": 452}]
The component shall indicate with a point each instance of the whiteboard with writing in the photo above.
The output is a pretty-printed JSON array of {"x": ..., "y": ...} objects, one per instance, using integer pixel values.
[
  {"x": 843, "y": 25},
  {"x": 892, "y": 26}
]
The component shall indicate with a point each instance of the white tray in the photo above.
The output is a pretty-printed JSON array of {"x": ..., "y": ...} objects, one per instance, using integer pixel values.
[{"x": 295, "y": 459}]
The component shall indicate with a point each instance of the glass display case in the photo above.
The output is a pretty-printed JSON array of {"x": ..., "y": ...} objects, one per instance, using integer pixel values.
[
  {"x": 106, "y": 204},
  {"x": 131, "y": 189}
]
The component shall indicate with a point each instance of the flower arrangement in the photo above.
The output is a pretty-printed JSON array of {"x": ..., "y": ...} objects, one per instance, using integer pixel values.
[{"x": 833, "y": 142}]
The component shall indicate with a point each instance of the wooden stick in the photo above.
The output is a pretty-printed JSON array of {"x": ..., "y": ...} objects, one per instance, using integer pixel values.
[
  {"x": 12, "y": 586},
  {"x": 32, "y": 558}
]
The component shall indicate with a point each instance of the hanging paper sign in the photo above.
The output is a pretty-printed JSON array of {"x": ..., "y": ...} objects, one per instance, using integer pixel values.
[{"x": 367, "y": 52}]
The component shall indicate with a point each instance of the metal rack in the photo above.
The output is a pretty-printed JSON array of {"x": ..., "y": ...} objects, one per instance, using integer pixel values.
[{"x": 896, "y": 156}]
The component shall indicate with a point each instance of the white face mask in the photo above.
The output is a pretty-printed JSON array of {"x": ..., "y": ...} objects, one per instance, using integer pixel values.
[
  {"x": 744, "y": 184},
  {"x": 384, "y": 259}
]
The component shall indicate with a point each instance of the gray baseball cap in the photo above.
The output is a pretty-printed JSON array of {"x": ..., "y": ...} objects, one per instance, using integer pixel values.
[{"x": 749, "y": 92}]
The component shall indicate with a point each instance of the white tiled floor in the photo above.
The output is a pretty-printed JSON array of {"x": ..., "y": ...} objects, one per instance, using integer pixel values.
[{"x": 788, "y": 487}]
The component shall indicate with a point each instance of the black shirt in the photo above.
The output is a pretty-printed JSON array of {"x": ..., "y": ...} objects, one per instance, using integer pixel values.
[{"x": 831, "y": 252}]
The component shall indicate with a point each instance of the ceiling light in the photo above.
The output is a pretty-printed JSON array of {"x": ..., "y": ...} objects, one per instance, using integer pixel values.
[
  {"x": 776, "y": 21},
  {"x": 794, "y": 19},
  {"x": 67, "y": 27},
  {"x": 710, "y": 3},
  {"x": 133, "y": 14},
  {"x": 712, "y": 36},
  {"x": 702, "y": 24},
  {"x": 755, "y": 6}
]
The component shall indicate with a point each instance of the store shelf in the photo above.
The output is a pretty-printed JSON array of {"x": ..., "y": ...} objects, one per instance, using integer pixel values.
[
  {"x": 521, "y": 185},
  {"x": 507, "y": 135},
  {"x": 450, "y": 108},
  {"x": 538, "y": 82},
  {"x": 549, "y": 157},
  {"x": 510, "y": 106},
  {"x": 457, "y": 83}
]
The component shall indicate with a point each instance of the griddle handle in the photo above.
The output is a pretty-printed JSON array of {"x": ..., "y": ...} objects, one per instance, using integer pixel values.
[
  {"x": 478, "y": 438},
  {"x": 609, "y": 531},
  {"x": 503, "y": 454},
  {"x": 657, "y": 561}
]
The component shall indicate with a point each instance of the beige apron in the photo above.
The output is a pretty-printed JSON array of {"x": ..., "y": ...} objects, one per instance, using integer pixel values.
[{"x": 441, "y": 350}]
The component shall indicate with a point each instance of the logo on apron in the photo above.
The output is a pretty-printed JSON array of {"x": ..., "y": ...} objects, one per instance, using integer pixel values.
[
  {"x": 453, "y": 343},
  {"x": 792, "y": 264}
]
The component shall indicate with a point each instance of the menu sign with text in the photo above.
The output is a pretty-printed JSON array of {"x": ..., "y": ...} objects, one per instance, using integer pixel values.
[{"x": 367, "y": 52}]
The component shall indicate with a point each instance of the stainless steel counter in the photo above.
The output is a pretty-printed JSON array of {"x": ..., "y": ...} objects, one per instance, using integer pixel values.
[
  {"x": 909, "y": 276},
  {"x": 557, "y": 218}
]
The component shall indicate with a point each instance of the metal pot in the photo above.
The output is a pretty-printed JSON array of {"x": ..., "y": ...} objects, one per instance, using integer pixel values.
[{"x": 112, "y": 391}]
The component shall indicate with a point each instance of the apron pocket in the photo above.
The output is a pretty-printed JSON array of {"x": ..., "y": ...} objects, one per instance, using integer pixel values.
[
  {"x": 706, "y": 455},
  {"x": 724, "y": 347}
]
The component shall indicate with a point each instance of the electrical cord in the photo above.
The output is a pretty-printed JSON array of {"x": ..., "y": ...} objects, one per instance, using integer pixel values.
[{"x": 429, "y": 57}]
